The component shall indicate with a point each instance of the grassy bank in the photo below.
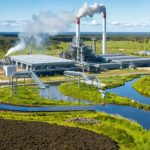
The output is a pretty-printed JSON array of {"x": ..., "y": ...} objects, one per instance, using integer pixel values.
[
  {"x": 86, "y": 92},
  {"x": 29, "y": 97},
  {"x": 115, "y": 81},
  {"x": 129, "y": 135},
  {"x": 143, "y": 86}
]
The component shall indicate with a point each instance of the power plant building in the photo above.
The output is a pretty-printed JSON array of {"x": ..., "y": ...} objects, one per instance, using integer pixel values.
[
  {"x": 125, "y": 61},
  {"x": 43, "y": 64}
]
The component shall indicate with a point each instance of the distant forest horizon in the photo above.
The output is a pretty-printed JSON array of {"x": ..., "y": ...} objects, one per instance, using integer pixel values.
[{"x": 84, "y": 33}]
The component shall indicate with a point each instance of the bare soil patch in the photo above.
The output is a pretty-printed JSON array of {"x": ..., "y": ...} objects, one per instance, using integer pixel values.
[{"x": 23, "y": 135}]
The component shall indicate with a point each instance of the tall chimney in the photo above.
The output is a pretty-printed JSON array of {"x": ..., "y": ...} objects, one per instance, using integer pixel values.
[
  {"x": 94, "y": 45},
  {"x": 77, "y": 31},
  {"x": 104, "y": 34}
]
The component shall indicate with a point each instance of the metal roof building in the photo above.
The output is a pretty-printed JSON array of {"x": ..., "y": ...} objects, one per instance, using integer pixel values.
[
  {"x": 125, "y": 60},
  {"x": 43, "y": 64}
]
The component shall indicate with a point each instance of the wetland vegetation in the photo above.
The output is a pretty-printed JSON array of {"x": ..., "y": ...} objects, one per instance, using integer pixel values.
[{"x": 142, "y": 85}]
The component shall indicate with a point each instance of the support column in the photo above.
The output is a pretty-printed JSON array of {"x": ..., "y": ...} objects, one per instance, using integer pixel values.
[
  {"x": 12, "y": 86},
  {"x": 16, "y": 64},
  {"x": 9, "y": 85},
  {"x": 27, "y": 67},
  {"x": 104, "y": 34},
  {"x": 16, "y": 86},
  {"x": 21, "y": 66}
]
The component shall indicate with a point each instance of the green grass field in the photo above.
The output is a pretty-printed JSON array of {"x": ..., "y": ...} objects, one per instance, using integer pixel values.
[{"x": 125, "y": 47}]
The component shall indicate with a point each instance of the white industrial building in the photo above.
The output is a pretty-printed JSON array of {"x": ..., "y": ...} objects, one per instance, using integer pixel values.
[{"x": 43, "y": 64}]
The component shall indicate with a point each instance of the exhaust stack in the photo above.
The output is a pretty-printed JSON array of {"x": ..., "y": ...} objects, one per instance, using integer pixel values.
[
  {"x": 104, "y": 34},
  {"x": 94, "y": 45},
  {"x": 77, "y": 31}
]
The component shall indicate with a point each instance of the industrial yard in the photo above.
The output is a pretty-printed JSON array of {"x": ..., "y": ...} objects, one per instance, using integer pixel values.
[{"x": 62, "y": 90}]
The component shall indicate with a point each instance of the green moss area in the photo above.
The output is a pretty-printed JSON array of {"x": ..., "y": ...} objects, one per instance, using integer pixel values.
[
  {"x": 29, "y": 97},
  {"x": 143, "y": 86},
  {"x": 128, "y": 134},
  {"x": 86, "y": 92}
]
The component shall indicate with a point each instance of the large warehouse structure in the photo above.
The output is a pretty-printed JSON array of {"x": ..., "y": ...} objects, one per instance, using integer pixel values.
[
  {"x": 49, "y": 65},
  {"x": 43, "y": 64},
  {"x": 113, "y": 61}
]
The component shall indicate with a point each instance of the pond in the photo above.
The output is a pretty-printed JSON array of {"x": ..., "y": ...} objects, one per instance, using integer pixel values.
[{"x": 52, "y": 92}]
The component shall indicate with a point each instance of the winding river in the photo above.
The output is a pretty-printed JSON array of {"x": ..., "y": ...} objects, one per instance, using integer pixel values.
[
  {"x": 140, "y": 116},
  {"x": 127, "y": 91}
]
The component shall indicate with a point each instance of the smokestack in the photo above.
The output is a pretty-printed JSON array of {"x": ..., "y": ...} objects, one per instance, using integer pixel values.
[
  {"x": 94, "y": 45},
  {"x": 90, "y": 10},
  {"x": 81, "y": 52},
  {"x": 77, "y": 31},
  {"x": 104, "y": 34}
]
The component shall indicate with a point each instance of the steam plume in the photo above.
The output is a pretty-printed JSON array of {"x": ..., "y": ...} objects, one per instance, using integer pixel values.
[
  {"x": 51, "y": 23},
  {"x": 18, "y": 47},
  {"x": 44, "y": 22},
  {"x": 90, "y": 10}
]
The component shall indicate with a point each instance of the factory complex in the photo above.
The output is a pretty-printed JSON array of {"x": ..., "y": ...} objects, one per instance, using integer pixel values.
[
  {"x": 79, "y": 56},
  {"x": 49, "y": 65}
]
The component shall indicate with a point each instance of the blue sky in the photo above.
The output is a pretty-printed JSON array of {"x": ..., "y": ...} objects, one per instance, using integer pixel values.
[{"x": 123, "y": 15}]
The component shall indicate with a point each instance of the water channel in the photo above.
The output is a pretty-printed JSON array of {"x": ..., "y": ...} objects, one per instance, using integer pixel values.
[
  {"x": 127, "y": 91},
  {"x": 140, "y": 116}
]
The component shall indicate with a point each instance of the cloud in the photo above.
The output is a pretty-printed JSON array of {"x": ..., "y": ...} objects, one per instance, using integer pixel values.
[
  {"x": 114, "y": 23},
  {"x": 13, "y": 23},
  {"x": 129, "y": 25},
  {"x": 94, "y": 23},
  {"x": 90, "y": 23}
]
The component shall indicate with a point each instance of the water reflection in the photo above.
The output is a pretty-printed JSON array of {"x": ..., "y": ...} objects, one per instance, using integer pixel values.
[{"x": 52, "y": 92}]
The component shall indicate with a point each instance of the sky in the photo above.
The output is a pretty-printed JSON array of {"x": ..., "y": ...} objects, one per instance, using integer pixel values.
[{"x": 122, "y": 15}]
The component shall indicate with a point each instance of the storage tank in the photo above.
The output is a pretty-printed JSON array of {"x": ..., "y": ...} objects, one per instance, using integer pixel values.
[{"x": 9, "y": 70}]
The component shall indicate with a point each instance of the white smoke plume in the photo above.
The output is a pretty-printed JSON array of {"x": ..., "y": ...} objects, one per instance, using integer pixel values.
[
  {"x": 44, "y": 22},
  {"x": 90, "y": 10},
  {"x": 52, "y": 23},
  {"x": 18, "y": 47}
]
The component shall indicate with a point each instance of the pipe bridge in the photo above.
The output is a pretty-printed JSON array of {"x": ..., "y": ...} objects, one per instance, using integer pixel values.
[
  {"x": 13, "y": 81},
  {"x": 82, "y": 77}
]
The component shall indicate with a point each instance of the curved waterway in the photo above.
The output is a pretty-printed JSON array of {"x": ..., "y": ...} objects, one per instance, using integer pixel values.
[
  {"x": 140, "y": 116},
  {"x": 127, "y": 91}
]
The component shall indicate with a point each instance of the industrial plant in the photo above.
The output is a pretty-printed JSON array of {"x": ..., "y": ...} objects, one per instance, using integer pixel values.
[{"x": 79, "y": 57}]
